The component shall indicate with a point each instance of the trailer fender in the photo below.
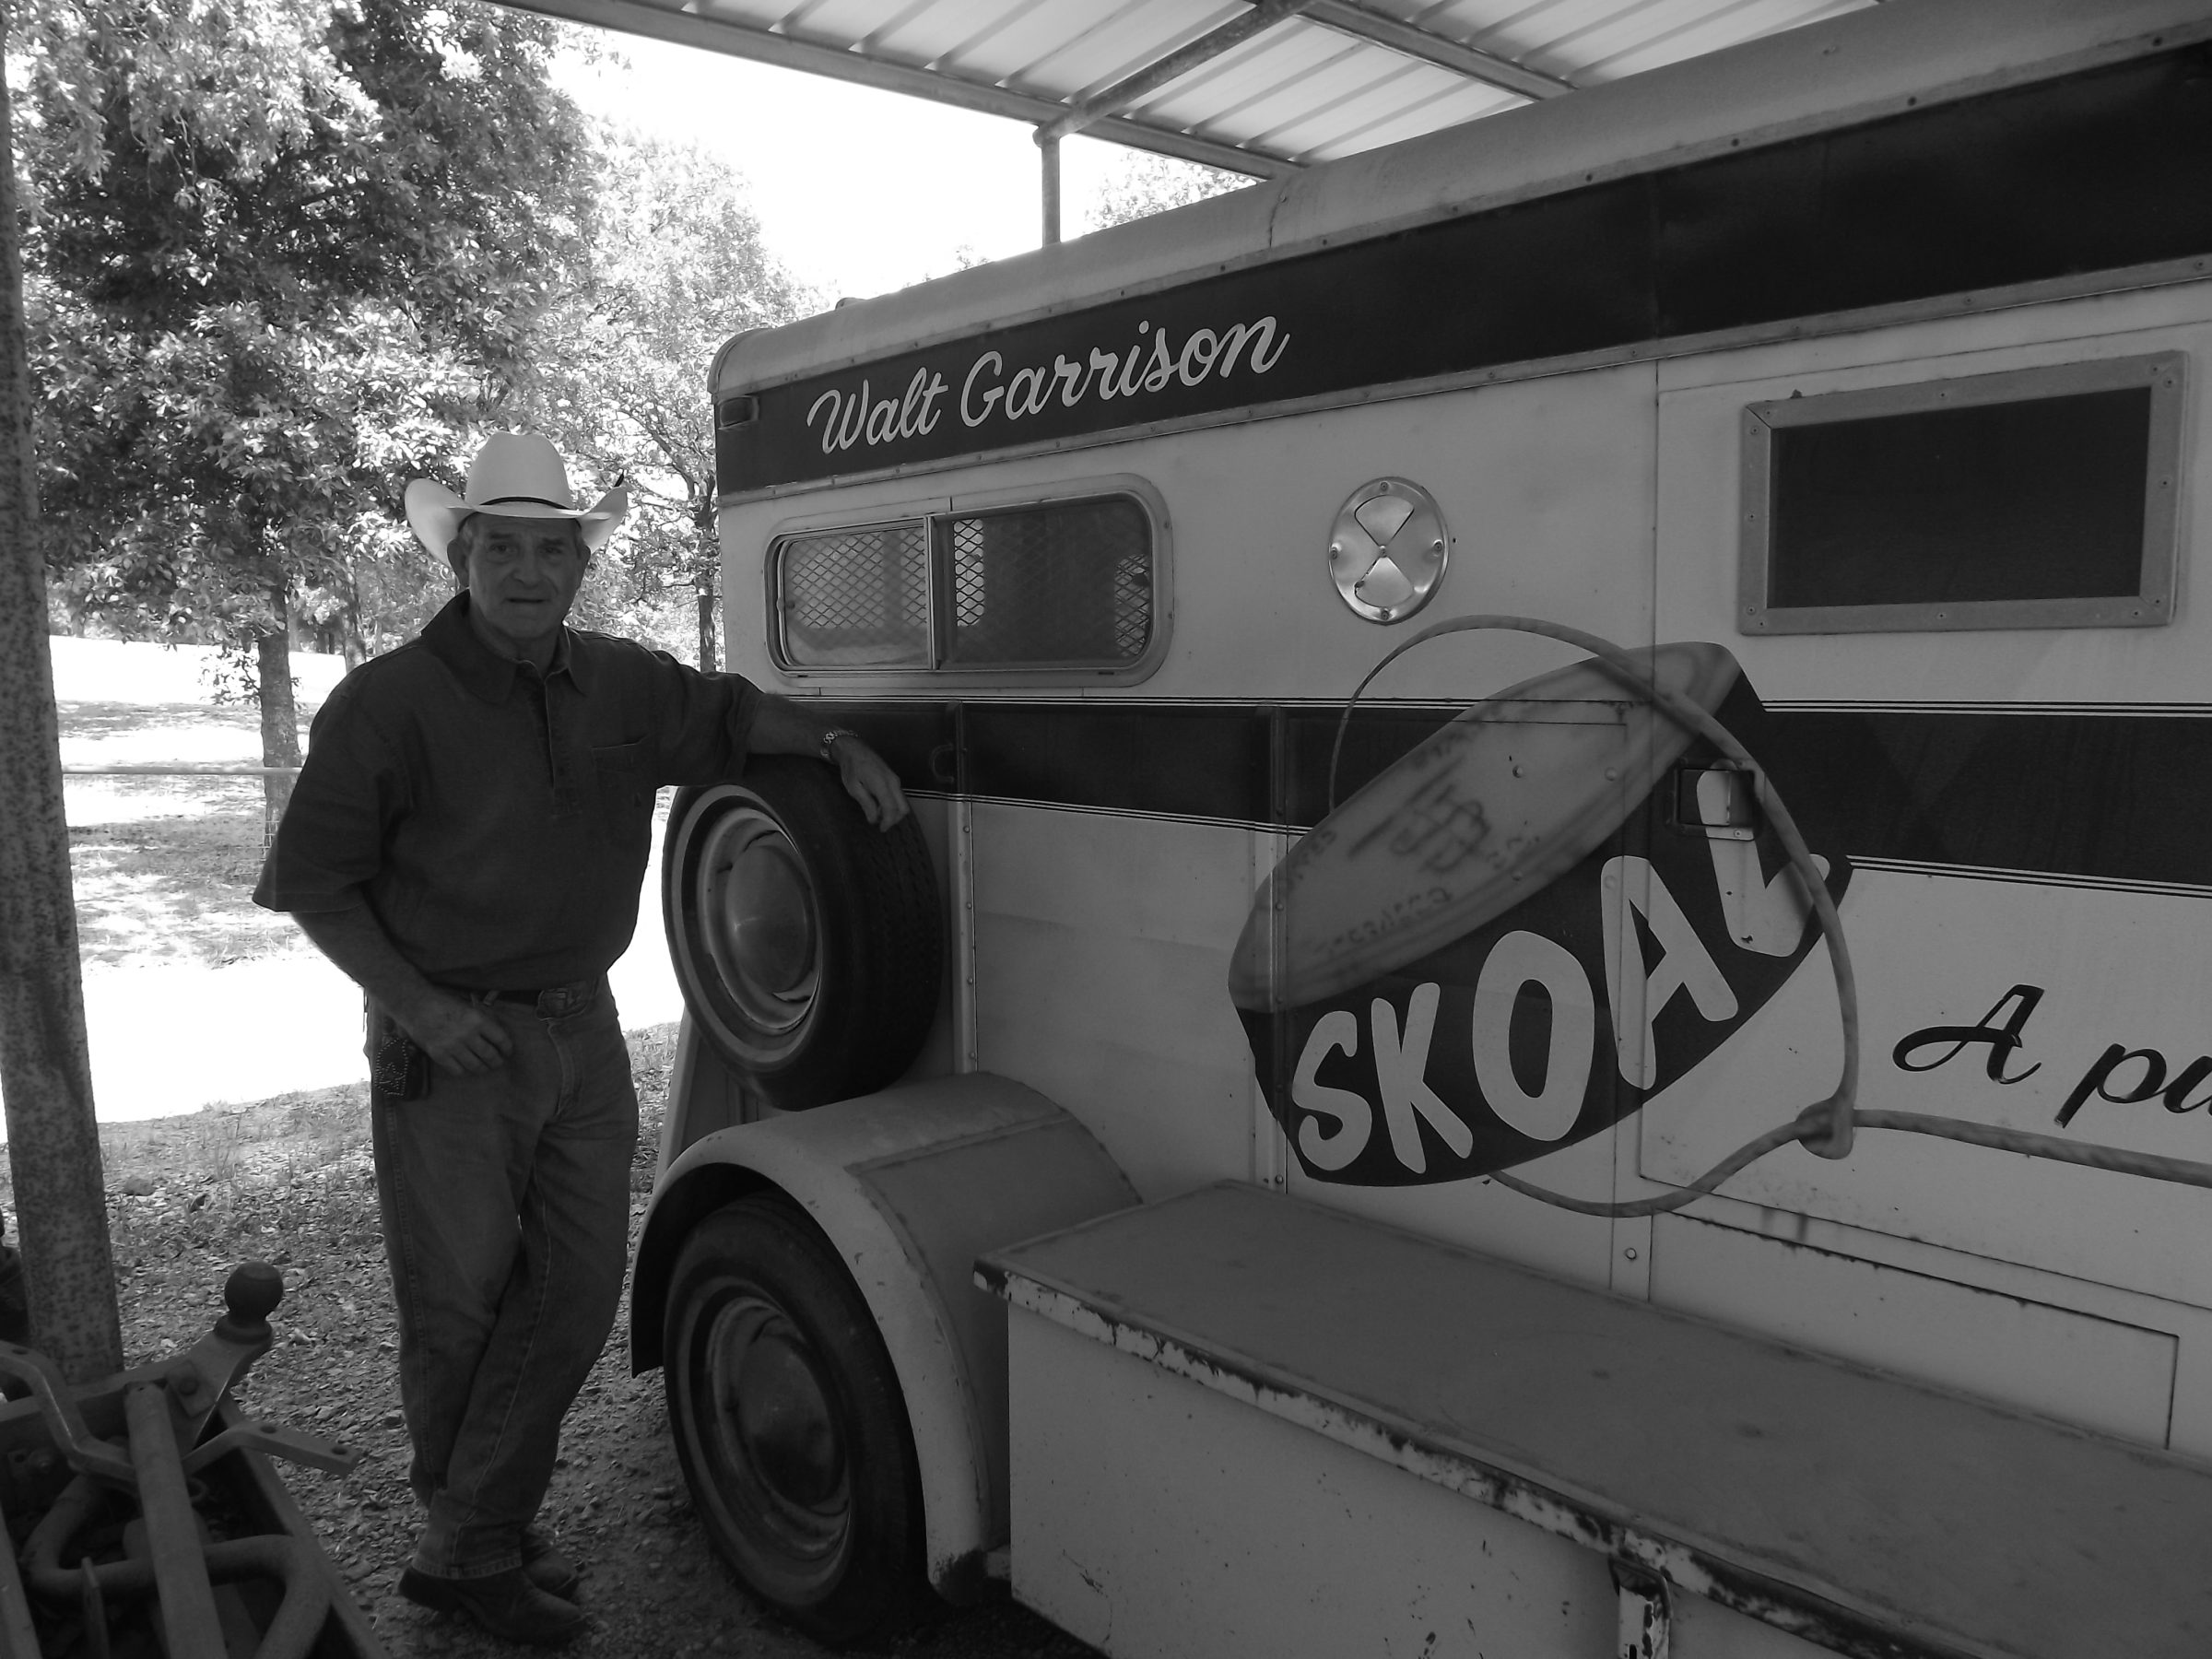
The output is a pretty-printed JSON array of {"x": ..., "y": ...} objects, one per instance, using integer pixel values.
[{"x": 910, "y": 1185}]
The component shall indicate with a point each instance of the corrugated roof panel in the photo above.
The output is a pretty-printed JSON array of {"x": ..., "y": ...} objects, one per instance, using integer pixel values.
[
  {"x": 1040, "y": 31},
  {"x": 1361, "y": 89},
  {"x": 1311, "y": 66},
  {"x": 886, "y": 33},
  {"x": 1457, "y": 102},
  {"x": 1458, "y": 22},
  {"x": 1295, "y": 124},
  {"x": 968, "y": 35},
  {"x": 1582, "y": 41},
  {"x": 1123, "y": 43},
  {"x": 752, "y": 13},
  {"x": 1544, "y": 35},
  {"x": 1358, "y": 75},
  {"x": 839, "y": 21},
  {"x": 1594, "y": 34},
  {"x": 1694, "y": 39},
  {"x": 828, "y": 22},
  {"x": 1492, "y": 26},
  {"x": 1219, "y": 97}
]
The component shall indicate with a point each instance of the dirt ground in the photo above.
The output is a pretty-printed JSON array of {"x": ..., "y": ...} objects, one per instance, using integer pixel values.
[{"x": 290, "y": 1181}]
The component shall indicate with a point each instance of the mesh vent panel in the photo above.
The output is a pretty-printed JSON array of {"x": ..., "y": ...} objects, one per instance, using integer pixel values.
[
  {"x": 1067, "y": 582},
  {"x": 858, "y": 598}
]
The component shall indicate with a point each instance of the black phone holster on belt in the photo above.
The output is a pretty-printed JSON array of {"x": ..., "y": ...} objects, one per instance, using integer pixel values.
[{"x": 402, "y": 1070}]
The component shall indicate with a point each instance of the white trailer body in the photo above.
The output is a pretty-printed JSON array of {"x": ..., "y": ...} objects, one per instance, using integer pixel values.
[{"x": 1856, "y": 377}]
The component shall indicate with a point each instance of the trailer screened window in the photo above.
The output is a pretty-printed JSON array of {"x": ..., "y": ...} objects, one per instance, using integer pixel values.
[
  {"x": 1066, "y": 584},
  {"x": 2039, "y": 498},
  {"x": 858, "y": 598}
]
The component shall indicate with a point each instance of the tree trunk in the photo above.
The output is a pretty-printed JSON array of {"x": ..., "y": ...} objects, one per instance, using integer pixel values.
[
  {"x": 280, "y": 716},
  {"x": 45, "y": 1060},
  {"x": 355, "y": 648},
  {"x": 704, "y": 568}
]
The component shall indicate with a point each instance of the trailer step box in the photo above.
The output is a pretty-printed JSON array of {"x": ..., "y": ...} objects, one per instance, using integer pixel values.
[{"x": 1226, "y": 1405}]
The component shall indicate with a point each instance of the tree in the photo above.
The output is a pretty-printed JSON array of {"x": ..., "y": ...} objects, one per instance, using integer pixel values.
[
  {"x": 281, "y": 252},
  {"x": 676, "y": 267},
  {"x": 1146, "y": 184}
]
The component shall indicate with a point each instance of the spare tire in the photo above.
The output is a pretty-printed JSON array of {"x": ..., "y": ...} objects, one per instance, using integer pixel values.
[{"x": 809, "y": 944}]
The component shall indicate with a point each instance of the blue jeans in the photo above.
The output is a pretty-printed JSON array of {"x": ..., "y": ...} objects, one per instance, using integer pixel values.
[{"x": 505, "y": 1199}]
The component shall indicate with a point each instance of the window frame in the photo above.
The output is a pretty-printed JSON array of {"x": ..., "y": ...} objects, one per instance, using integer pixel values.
[
  {"x": 1120, "y": 485},
  {"x": 886, "y": 517},
  {"x": 2151, "y": 606}
]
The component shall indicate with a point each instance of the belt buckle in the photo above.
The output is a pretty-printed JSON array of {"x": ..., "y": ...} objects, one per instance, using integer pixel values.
[{"x": 559, "y": 1000}]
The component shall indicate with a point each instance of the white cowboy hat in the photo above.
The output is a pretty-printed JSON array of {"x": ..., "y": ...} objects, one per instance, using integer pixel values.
[{"x": 515, "y": 475}]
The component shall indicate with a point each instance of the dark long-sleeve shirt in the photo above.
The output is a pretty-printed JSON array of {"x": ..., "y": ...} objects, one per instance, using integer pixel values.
[{"x": 498, "y": 822}]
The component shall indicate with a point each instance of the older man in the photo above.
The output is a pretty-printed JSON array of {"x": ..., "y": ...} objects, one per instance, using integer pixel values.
[{"x": 466, "y": 841}]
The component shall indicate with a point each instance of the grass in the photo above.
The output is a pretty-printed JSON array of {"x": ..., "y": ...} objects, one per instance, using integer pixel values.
[
  {"x": 166, "y": 882},
  {"x": 164, "y": 866}
]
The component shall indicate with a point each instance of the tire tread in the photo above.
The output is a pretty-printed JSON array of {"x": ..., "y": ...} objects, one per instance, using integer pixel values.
[{"x": 882, "y": 924}]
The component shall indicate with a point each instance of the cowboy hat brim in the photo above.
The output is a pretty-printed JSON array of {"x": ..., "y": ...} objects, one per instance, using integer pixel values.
[{"x": 435, "y": 513}]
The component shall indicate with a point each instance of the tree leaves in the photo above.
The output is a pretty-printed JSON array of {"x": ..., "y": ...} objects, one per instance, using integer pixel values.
[
  {"x": 280, "y": 258},
  {"x": 676, "y": 266},
  {"x": 1146, "y": 184},
  {"x": 284, "y": 256}
]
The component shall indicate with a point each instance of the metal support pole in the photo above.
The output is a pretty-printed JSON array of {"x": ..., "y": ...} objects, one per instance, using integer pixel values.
[
  {"x": 45, "y": 1064},
  {"x": 1048, "y": 146}
]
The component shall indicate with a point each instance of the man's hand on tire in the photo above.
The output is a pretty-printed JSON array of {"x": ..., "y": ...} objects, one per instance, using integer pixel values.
[{"x": 870, "y": 779}]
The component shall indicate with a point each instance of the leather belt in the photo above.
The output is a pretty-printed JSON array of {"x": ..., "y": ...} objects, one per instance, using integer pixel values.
[{"x": 529, "y": 997}]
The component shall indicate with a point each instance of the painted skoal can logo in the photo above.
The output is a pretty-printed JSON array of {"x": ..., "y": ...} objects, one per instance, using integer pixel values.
[{"x": 1542, "y": 916}]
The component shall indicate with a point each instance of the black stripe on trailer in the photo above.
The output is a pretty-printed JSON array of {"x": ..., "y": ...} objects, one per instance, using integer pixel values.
[
  {"x": 2105, "y": 170},
  {"x": 2077, "y": 796}
]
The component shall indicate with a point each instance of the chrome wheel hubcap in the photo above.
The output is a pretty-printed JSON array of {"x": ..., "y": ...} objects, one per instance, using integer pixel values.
[{"x": 759, "y": 921}]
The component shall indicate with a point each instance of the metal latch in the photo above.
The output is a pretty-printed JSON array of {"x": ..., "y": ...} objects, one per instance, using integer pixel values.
[
  {"x": 1720, "y": 803},
  {"x": 1646, "y": 1612}
]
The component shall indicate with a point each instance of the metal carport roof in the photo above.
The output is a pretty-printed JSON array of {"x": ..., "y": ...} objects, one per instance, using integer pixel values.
[{"x": 1262, "y": 88}]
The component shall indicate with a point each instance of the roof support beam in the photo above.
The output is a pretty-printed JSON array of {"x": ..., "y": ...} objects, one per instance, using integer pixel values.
[
  {"x": 1348, "y": 16},
  {"x": 703, "y": 30},
  {"x": 1263, "y": 16}
]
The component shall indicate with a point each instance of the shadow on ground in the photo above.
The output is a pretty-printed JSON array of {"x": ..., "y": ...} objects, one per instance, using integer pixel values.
[{"x": 291, "y": 1180}]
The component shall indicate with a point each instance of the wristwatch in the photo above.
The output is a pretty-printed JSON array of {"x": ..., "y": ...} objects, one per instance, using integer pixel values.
[{"x": 829, "y": 739}]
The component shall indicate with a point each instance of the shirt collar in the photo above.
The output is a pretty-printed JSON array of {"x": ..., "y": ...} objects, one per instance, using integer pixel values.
[{"x": 486, "y": 672}]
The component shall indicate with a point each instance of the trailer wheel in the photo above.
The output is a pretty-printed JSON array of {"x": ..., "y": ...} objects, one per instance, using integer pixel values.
[
  {"x": 808, "y": 944},
  {"x": 789, "y": 1424}
]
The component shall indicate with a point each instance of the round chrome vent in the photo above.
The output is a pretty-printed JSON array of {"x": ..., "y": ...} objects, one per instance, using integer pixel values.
[{"x": 1387, "y": 549}]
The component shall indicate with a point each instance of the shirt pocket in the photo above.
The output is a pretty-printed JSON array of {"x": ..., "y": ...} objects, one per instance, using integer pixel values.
[{"x": 626, "y": 793}]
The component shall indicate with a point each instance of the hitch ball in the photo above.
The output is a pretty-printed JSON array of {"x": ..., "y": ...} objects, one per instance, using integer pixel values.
[{"x": 251, "y": 1295}]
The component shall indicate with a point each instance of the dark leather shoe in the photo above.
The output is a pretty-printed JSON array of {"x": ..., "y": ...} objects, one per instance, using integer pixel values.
[
  {"x": 506, "y": 1604},
  {"x": 548, "y": 1568}
]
